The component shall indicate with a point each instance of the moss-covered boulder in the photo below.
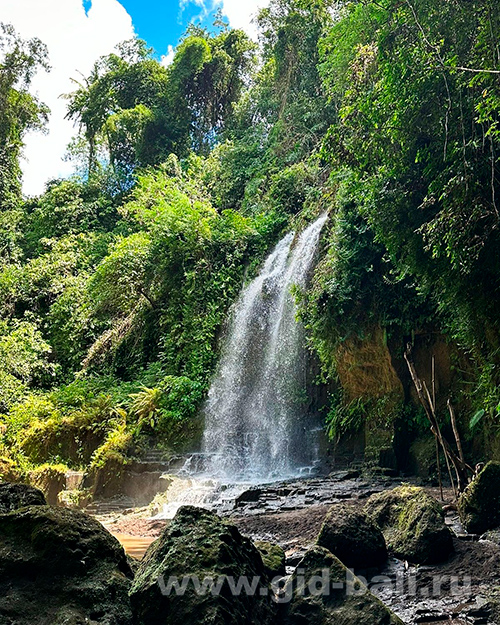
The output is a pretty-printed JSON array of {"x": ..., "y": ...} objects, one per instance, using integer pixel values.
[
  {"x": 353, "y": 538},
  {"x": 479, "y": 505},
  {"x": 273, "y": 557},
  {"x": 200, "y": 545},
  {"x": 61, "y": 567},
  {"x": 50, "y": 479},
  {"x": 14, "y": 496},
  {"x": 323, "y": 592},
  {"x": 412, "y": 523}
]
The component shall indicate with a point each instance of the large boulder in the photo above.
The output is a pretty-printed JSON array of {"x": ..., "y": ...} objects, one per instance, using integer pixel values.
[
  {"x": 412, "y": 523},
  {"x": 479, "y": 505},
  {"x": 200, "y": 545},
  {"x": 323, "y": 592},
  {"x": 14, "y": 496},
  {"x": 353, "y": 538},
  {"x": 61, "y": 567}
]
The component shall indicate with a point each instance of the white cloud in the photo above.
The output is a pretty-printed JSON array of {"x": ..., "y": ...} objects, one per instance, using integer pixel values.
[
  {"x": 168, "y": 58},
  {"x": 241, "y": 14},
  {"x": 75, "y": 40}
]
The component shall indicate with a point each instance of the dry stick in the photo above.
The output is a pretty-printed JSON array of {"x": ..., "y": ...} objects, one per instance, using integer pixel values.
[
  {"x": 426, "y": 405},
  {"x": 460, "y": 467},
  {"x": 441, "y": 440},
  {"x": 477, "y": 71},
  {"x": 434, "y": 382},
  {"x": 455, "y": 431},
  {"x": 440, "y": 477}
]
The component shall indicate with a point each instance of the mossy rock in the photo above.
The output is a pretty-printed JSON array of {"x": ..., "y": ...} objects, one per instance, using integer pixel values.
[
  {"x": 493, "y": 605},
  {"x": 307, "y": 600},
  {"x": 412, "y": 523},
  {"x": 353, "y": 538},
  {"x": 9, "y": 470},
  {"x": 61, "y": 567},
  {"x": 422, "y": 457},
  {"x": 199, "y": 544},
  {"x": 51, "y": 480},
  {"x": 273, "y": 557},
  {"x": 493, "y": 536},
  {"x": 479, "y": 505},
  {"x": 74, "y": 499},
  {"x": 15, "y": 496}
]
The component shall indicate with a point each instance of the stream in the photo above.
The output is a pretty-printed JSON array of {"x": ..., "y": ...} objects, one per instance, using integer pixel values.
[{"x": 291, "y": 512}]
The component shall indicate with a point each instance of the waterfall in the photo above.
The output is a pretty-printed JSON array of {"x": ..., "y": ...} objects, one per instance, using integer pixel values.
[{"x": 256, "y": 424}]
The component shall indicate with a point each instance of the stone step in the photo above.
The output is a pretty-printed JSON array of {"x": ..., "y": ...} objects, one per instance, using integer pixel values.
[{"x": 110, "y": 506}]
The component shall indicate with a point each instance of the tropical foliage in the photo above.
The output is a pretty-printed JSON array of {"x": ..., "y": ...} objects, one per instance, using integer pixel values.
[{"x": 116, "y": 283}]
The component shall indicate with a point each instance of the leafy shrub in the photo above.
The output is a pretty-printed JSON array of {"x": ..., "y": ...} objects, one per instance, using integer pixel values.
[
  {"x": 109, "y": 462},
  {"x": 72, "y": 437},
  {"x": 169, "y": 410}
]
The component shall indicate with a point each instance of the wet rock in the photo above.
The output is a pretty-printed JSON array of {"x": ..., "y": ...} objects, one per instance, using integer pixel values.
[
  {"x": 493, "y": 536},
  {"x": 14, "y": 496},
  {"x": 412, "y": 523},
  {"x": 344, "y": 476},
  {"x": 199, "y": 544},
  {"x": 323, "y": 592},
  {"x": 273, "y": 557},
  {"x": 353, "y": 538},
  {"x": 479, "y": 505},
  {"x": 51, "y": 480},
  {"x": 248, "y": 496},
  {"x": 293, "y": 559},
  {"x": 61, "y": 567}
]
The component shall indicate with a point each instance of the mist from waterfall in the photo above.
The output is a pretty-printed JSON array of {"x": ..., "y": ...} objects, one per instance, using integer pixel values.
[{"x": 256, "y": 424}]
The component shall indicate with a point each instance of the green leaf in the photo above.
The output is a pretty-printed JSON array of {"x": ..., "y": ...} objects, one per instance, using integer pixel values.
[{"x": 476, "y": 419}]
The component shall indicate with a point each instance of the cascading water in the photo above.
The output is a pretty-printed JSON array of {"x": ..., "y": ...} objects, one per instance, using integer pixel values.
[{"x": 256, "y": 414}]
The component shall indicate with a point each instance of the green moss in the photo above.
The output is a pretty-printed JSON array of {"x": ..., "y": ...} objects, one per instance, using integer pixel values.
[
  {"x": 479, "y": 505},
  {"x": 74, "y": 499},
  {"x": 273, "y": 557},
  {"x": 338, "y": 606},
  {"x": 77, "y": 571},
  {"x": 109, "y": 463},
  {"x": 197, "y": 542},
  {"x": 352, "y": 537},
  {"x": 412, "y": 523},
  {"x": 15, "y": 496},
  {"x": 10, "y": 471}
]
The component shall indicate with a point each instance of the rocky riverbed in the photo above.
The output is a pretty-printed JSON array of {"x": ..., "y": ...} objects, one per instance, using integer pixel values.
[{"x": 291, "y": 514}]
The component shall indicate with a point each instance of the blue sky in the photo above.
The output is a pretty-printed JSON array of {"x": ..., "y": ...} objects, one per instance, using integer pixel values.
[{"x": 161, "y": 24}]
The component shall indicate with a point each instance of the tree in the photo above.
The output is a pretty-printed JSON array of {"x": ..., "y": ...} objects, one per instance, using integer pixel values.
[
  {"x": 141, "y": 112},
  {"x": 112, "y": 102},
  {"x": 421, "y": 134},
  {"x": 20, "y": 112}
]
